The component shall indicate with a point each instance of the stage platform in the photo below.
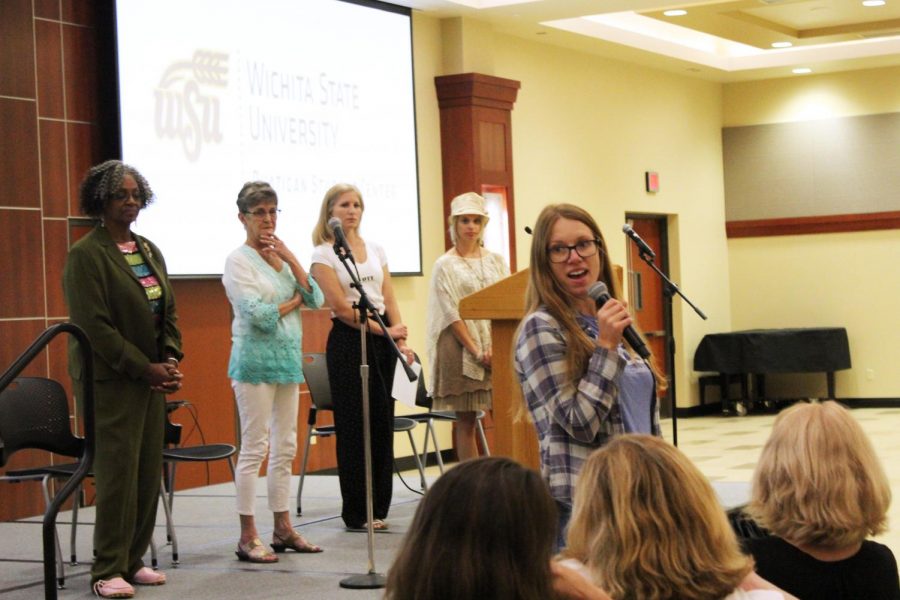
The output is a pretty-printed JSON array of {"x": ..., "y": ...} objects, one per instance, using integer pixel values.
[{"x": 207, "y": 530}]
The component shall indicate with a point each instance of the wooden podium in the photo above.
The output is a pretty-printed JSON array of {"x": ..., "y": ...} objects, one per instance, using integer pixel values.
[{"x": 504, "y": 304}]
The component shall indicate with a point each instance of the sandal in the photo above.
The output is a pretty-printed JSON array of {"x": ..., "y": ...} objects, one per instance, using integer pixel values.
[
  {"x": 254, "y": 551},
  {"x": 378, "y": 525},
  {"x": 113, "y": 588},
  {"x": 147, "y": 576},
  {"x": 295, "y": 542}
]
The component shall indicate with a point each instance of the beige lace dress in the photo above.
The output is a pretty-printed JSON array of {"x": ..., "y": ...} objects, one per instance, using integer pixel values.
[{"x": 457, "y": 380}]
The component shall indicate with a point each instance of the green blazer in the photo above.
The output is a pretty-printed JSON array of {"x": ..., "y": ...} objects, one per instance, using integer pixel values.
[{"x": 107, "y": 300}]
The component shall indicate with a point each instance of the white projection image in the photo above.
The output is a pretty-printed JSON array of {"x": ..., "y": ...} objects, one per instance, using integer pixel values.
[{"x": 302, "y": 94}]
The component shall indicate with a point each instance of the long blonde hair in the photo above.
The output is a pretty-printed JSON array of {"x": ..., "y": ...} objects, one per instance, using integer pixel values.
[
  {"x": 648, "y": 525},
  {"x": 818, "y": 481},
  {"x": 544, "y": 290},
  {"x": 322, "y": 233}
]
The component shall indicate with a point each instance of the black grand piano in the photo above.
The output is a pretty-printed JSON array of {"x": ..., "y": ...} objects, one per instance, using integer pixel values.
[{"x": 756, "y": 352}]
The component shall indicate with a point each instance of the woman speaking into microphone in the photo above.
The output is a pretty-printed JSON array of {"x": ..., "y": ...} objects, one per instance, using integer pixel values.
[
  {"x": 580, "y": 383},
  {"x": 344, "y": 356}
]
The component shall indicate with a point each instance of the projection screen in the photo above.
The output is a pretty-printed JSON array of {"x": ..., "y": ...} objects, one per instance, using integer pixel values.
[{"x": 305, "y": 94}]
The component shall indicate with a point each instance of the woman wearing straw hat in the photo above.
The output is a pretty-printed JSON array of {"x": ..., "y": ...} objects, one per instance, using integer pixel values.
[{"x": 459, "y": 352}]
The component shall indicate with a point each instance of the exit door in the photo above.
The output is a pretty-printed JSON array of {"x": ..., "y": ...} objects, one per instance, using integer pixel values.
[{"x": 647, "y": 300}]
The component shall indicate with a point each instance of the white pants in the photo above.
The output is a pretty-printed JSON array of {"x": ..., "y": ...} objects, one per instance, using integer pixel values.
[{"x": 268, "y": 413}]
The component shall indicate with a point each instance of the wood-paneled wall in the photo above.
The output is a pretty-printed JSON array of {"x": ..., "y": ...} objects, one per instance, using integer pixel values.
[
  {"x": 49, "y": 135},
  {"x": 55, "y": 122}
]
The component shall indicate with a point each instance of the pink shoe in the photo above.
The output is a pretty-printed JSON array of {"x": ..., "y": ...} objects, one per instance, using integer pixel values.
[
  {"x": 113, "y": 588},
  {"x": 147, "y": 576}
]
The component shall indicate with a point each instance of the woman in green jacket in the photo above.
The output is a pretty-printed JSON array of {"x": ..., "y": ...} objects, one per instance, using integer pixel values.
[{"x": 117, "y": 290}]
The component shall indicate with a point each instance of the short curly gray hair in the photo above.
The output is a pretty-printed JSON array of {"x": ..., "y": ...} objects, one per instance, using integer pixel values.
[{"x": 105, "y": 179}]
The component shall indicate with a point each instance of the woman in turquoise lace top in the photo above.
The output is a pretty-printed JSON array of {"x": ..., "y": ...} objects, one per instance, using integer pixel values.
[{"x": 266, "y": 286}]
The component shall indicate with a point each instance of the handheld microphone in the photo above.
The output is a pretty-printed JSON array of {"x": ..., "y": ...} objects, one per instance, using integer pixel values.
[
  {"x": 340, "y": 240},
  {"x": 600, "y": 294},
  {"x": 641, "y": 244}
]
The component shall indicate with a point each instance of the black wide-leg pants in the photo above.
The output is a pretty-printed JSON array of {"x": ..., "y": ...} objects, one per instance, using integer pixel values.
[{"x": 344, "y": 357}]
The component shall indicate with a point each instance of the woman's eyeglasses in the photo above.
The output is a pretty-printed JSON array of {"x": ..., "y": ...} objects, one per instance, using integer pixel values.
[
  {"x": 122, "y": 195},
  {"x": 262, "y": 213},
  {"x": 559, "y": 253}
]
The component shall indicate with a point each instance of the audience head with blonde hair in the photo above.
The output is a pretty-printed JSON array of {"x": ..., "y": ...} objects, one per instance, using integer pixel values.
[
  {"x": 647, "y": 524},
  {"x": 818, "y": 482}
]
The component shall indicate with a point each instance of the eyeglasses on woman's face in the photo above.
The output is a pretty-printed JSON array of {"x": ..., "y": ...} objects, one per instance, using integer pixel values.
[
  {"x": 262, "y": 213},
  {"x": 559, "y": 253},
  {"x": 123, "y": 194}
]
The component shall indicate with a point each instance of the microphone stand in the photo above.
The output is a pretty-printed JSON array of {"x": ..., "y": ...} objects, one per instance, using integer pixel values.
[
  {"x": 371, "y": 579},
  {"x": 669, "y": 290}
]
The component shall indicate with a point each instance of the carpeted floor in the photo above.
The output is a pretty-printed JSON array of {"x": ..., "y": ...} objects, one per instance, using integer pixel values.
[{"x": 207, "y": 533}]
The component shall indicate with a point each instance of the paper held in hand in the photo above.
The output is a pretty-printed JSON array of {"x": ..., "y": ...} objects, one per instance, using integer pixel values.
[{"x": 404, "y": 390}]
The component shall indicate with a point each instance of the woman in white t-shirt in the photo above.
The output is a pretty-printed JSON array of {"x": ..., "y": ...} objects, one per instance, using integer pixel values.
[
  {"x": 647, "y": 524},
  {"x": 343, "y": 352}
]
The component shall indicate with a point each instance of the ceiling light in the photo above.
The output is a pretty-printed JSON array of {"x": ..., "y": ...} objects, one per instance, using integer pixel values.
[
  {"x": 802, "y": 70},
  {"x": 873, "y": 3},
  {"x": 675, "y": 13},
  {"x": 781, "y": 44}
]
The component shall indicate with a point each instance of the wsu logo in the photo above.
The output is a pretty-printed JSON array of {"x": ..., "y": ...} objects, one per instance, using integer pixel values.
[{"x": 186, "y": 110}]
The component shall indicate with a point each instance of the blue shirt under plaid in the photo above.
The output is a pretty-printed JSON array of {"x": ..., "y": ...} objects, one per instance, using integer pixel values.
[{"x": 572, "y": 418}]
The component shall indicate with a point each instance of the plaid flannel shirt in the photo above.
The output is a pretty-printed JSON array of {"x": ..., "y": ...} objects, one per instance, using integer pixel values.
[{"x": 572, "y": 418}]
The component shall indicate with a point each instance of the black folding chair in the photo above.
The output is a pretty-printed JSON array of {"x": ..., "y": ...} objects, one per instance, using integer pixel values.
[
  {"x": 34, "y": 414},
  {"x": 429, "y": 418},
  {"x": 174, "y": 453},
  {"x": 745, "y": 528},
  {"x": 315, "y": 372}
]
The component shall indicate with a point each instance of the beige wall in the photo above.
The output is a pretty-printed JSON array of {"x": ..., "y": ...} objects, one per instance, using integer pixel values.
[
  {"x": 790, "y": 99},
  {"x": 412, "y": 292},
  {"x": 840, "y": 279},
  {"x": 584, "y": 131}
]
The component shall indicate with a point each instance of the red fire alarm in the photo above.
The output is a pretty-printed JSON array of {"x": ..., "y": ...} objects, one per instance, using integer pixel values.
[{"x": 651, "y": 179}]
